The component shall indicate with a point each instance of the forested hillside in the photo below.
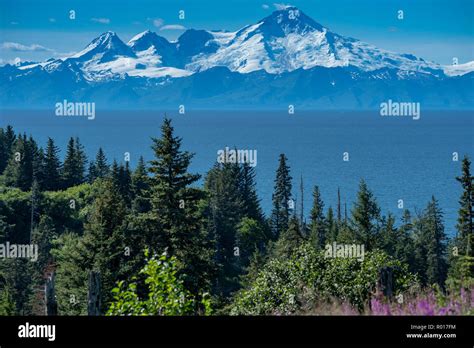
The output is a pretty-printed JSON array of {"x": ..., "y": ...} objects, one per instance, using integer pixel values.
[{"x": 163, "y": 245}]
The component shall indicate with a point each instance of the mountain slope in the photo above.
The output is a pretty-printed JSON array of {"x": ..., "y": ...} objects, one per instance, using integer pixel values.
[{"x": 284, "y": 58}]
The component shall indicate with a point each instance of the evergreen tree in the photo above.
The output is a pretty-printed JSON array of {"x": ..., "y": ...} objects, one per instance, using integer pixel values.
[
  {"x": 4, "y": 154},
  {"x": 366, "y": 217},
  {"x": 250, "y": 202},
  {"x": 281, "y": 196},
  {"x": 19, "y": 171},
  {"x": 91, "y": 173},
  {"x": 331, "y": 225},
  {"x": 387, "y": 240},
  {"x": 80, "y": 162},
  {"x": 121, "y": 178},
  {"x": 101, "y": 166},
  {"x": 318, "y": 226},
  {"x": 69, "y": 174},
  {"x": 404, "y": 250},
  {"x": 74, "y": 164},
  {"x": 140, "y": 188},
  {"x": 435, "y": 244},
  {"x": 52, "y": 167},
  {"x": 465, "y": 216},
  {"x": 103, "y": 240},
  {"x": 289, "y": 240},
  {"x": 224, "y": 211},
  {"x": 461, "y": 256},
  {"x": 100, "y": 249},
  {"x": 175, "y": 208},
  {"x": 7, "y": 142},
  {"x": 37, "y": 155}
]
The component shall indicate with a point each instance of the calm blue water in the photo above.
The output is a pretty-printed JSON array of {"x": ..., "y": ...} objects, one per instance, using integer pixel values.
[{"x": 398, "y": 157}]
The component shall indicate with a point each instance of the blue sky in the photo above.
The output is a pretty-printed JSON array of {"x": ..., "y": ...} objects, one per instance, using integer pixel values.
[{"x": 437, "y": 30}]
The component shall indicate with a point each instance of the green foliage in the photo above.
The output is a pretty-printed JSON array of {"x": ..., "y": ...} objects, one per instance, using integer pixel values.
[
  {"x": 74, "y": 164},
  {"x": 101, "y": 249},
  {"x": 7, "y": 142},
  {"x": 366, "y": 217},
  {"x": 430, "y": 259},
  {"x": 280, "y": 198},
  {"x": 71, "y": 275},
  {"x": 461, "y": 273},
  {"x": 217, "y": 237},
  {"x": 140, "y": 188},
  {"x": 317, "y": 227},
  {"x": 287, "y": 286},
  {"x": 289, "y": 240},
  {"x": 251, "y": 236},
  {"x": 19, "y": 171},
  {"x": 465, "y": 225},
  {"x": 166, "y": 293},
  {"x": 177, "y": 222},
  {"x": 52, "y": 167},
  {"x": 7, "y": 303},
  {"x": 15, "y": 206},
  {"x": 99, "y": 168}
]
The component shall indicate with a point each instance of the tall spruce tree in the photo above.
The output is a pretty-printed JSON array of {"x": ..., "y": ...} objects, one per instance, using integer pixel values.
[
  {"x": 101, "y": 166},
  {"x": 4, "y": 154},
  {"x": 435, "y": 239},
  {"x": 52, "y": 167},
  {"x": 281, "y": 197},
  {"x": 175, "y": 208},
  {"x": 404, "y": 249},
  {"x": 140, "y": 188},
  {"x": 7, "y": 142},
  {"x": 69, "y": 175},
  {"x": 366, "y": 217},
  {"x": 80, "y": 162},
  {"x": 98, "y": 168},
  {"x": 224, "y": 211},
  {"x": 465, "y": 224},
  {"x": 74, "y": 164},
  {"x": 317, "y": 225},
  {"x": 331, "y": 225},
  {"x": 251, "y": 203},
  {"x": 19, "y": 171}
]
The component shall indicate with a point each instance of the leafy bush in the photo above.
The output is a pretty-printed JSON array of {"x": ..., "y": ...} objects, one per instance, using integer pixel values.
[
  {"x": 166, "y": 292},
  {"x": 295, "y": 284}
]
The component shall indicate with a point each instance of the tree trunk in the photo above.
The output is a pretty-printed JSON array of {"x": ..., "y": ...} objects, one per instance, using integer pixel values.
[{"x": 93, "y": 298}]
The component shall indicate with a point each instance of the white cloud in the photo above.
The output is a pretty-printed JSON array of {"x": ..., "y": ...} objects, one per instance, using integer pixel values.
[
  {"x": 280, "y": 6},
  {"x": 101, "y": 20},
  {"x": 18, "y": 47},
  {"x": 173, "y": 27},
  {"x": 158, "y": 22},
  {"x": 15, "y": 61},
  {"x": 265, "y": 6}
]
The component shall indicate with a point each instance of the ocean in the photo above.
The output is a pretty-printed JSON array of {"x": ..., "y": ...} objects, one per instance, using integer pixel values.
[{"x": 400, "y": 158}]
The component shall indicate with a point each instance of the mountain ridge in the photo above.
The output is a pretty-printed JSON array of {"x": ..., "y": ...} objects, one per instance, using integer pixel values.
[{"x": 283, "y": 46}]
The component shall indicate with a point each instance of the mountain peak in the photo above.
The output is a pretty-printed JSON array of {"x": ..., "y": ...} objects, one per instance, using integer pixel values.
[
  {"x": 291, "y": 19},
  {"x": 108, "y": 45}
]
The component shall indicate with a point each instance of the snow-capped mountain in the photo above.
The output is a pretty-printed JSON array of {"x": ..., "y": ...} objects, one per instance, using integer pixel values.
[
  {"x": 459, "y": 69},
  {"x": 288, "y": 40},
  {"x": 277, "y": 55}
]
